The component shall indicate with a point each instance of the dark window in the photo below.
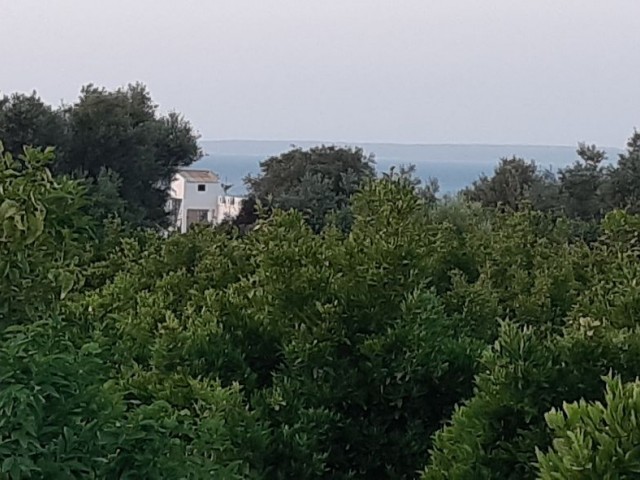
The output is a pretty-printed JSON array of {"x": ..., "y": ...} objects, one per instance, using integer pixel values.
[{"x": 202, "y": 187}]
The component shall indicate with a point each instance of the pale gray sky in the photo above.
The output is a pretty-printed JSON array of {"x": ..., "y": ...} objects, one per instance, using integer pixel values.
[{"x": 427, "y": 71}]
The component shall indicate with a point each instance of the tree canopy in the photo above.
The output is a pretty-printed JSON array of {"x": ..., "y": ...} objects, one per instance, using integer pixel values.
[
  {"x": 442, "y": 338},
  {"x": 25, "y": 120},
  {"x": 115, "y": 137},
  {"x": 585, "y": 190},
  {"x": 362, "y": 329},
  {"x": 315, "y": 181}
]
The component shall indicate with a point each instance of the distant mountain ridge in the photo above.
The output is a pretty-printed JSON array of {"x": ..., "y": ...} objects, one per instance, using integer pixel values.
[{"x": 455, "y": 165}]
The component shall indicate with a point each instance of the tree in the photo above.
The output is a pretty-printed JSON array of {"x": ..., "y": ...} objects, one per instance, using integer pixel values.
[
  {"x": 26, "y": 121},
  {"x": 625, "y": 177},
  {"x": 582, "y": 185},
  {"x": 66, "y": 413},
  {"x": 106, "y": 198},
  {"x": 466, "y": 341},
  {"x": 494, "y": 434},
  {"x": 581, "y": 191},
  {"x": 118, "y": 131},
  {"x": 533, "y": 369},
  {"x": 315, "y": 181},
  {"x": 338, "y": 340},
  {"x": 509, "y": 186},
  {"x": 45, "y": 236},
  {"x": 406, "y": 174},
  {"x": 122, "y": 132}
]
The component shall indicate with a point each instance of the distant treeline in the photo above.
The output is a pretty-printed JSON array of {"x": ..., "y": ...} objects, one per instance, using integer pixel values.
[{"x": 127, "y": 154}]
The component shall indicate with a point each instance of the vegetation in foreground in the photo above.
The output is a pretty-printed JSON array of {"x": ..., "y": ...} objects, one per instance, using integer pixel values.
[
  {"x": 461, "y": 341},
  {"x": 417, "y": 339}
]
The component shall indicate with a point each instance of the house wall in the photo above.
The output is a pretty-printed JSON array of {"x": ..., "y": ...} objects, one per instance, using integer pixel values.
[
  {"x": 209, "y": 200},
  {"x": 202, "y": 200},
  {"x": 177, "y": 187},
  {"x": 228, "y": 207},
  {"x": 196, "y": 200}
]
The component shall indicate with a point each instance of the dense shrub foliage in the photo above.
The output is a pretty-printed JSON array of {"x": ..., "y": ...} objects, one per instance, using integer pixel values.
[
  {"x": 596, "y": 441},
  {"x": 445, "y": 341}
]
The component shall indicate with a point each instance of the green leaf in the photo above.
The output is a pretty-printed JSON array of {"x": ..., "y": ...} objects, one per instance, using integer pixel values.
[
  {"x": 66, "y": 284},
  {"x": 35, "y": 227}
]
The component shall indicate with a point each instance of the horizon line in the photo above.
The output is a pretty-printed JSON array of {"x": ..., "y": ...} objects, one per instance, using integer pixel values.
[{"x": 402, "y": 144}]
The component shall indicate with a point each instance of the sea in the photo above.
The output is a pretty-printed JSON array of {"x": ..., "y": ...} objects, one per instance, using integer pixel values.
[{"x": 455, "y": 166}]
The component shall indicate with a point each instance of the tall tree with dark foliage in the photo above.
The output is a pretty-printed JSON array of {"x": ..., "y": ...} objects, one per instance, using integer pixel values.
[
  {"x": 315, "y": 181},
  {"x": 120, "y": 132}
]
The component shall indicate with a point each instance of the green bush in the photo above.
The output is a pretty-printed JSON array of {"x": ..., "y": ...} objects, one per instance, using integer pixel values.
[
  {"x": 44, "y": 236},
  {"x": 595, "y": 440},
  {"x": 62, "y": 417}
]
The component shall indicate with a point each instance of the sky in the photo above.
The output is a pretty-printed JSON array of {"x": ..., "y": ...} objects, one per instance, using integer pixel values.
[{"x": 408, "y": 71}]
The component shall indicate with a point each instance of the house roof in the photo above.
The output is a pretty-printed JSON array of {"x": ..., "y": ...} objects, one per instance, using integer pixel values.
[{"x": 199, "y": 176}]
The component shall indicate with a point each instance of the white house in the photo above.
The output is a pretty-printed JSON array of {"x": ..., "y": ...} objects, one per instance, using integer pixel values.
[{"x": 196, "y": 196}]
